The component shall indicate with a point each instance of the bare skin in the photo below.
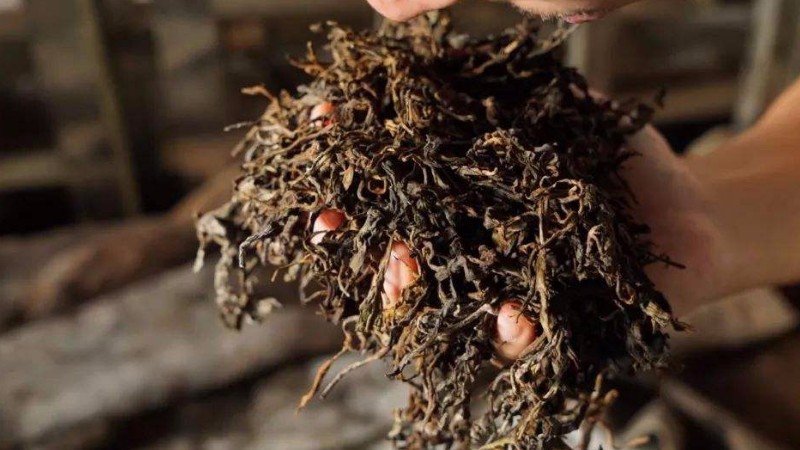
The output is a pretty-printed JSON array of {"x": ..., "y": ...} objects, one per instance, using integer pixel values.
[
  {"x": 515, "y": 332},
  {"x": 580, "y": 10},
  {"x": 731, "y": 217},
  {"x": 401, "y": 272}
]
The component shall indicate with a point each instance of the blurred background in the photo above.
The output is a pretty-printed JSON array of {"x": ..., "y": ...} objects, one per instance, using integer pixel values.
[{"x": 111, "y": 137}]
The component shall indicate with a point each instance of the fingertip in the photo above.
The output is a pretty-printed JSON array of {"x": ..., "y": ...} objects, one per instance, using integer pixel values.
[
  {"x": 321, "y": 110},
  {"x": 401, "y": 271},
  {"x": 402, "y": 10},
  {"x": 514, "y": 331},
  {"x": 402, "y": 254},
  {"x": 327, "y": 220}
]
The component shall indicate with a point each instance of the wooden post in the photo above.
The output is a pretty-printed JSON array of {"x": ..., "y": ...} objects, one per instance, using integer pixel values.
[
  {"x": 793, "y": 68},
  {"x": 73, "y": 70},
  {"x": 110, "y": 108},
  {"x": 189, "y": 66},
  {"x": 754, "y": 90}
]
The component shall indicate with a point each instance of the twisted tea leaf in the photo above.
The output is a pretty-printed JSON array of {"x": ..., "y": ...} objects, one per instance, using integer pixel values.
[{"x": 494, "y": 164}]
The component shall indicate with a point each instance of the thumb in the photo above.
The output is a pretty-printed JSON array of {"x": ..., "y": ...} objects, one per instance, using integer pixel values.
[{"x": 400, "y": 10}]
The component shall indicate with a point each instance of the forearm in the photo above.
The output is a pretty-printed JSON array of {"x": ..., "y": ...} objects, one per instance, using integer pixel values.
[{"x": 753, "y": 183}]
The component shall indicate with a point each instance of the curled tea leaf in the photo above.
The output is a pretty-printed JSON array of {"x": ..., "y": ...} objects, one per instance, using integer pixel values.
[{"x": 470, "y": 171}]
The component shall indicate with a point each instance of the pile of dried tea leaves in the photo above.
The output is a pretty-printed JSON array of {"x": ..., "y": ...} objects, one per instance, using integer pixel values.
[{"x": 492, "y": 162}]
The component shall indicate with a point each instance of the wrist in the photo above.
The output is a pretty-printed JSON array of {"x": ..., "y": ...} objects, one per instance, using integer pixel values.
[
  {"x": 736, "y": 256},
  {"x": 708, "y": 258},
  {"x": 723, "y": 259}
]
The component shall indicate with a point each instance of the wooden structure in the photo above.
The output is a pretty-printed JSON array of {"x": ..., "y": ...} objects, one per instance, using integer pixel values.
[
  {"x": 693, "y": 49},
  {"x": 205, "y": 50},
  {"x": 773, "y": 57},
  {"x": 73, "y": 69},
  {"x": 755, "y": 52}
]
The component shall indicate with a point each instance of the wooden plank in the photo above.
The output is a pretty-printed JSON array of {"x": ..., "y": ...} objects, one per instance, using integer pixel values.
[
  {"x": 23, "y": 258},
  {"x": 737, "y": 321},
  {"x": 356, "y": 415},
  {"x": 42, "y": 168},
  {"x": 201, "y": 156},
  {"x": 31, "y": 168},
  {"x": 111, "y": 113},
  {"x": 134, "y": 351}
]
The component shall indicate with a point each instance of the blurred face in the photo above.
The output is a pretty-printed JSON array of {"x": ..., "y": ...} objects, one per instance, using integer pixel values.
[{"x": 575, "y": 11}]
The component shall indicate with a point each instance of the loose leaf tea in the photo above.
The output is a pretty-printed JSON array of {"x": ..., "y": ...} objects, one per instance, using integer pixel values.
[{"x": 491, "y": 162}]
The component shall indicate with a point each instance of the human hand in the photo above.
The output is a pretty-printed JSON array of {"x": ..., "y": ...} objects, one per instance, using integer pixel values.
[
  {"x": 668, "y": 198},
  {"x": 514, "y": 332},
  {"x": 405, "y": 9},
  {"x": 673, "y": 202},
  {"x": 573, "y": 11}
]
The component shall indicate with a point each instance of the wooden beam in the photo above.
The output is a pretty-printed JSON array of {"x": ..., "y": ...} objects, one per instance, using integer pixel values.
[
  {"x": 110, "y": 107},
  {"x": 137, "y": 350},
  {"x": 190, "y": 67},
  {"x": 32, "y": 168}
]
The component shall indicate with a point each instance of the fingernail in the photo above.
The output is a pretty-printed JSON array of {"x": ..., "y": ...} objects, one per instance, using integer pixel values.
[
  {"x": 401, "y": 271},
  {"x": 514, "y": 331},
  {"x": 320, "y": 111},
  {"x": 327, "y": 220}
]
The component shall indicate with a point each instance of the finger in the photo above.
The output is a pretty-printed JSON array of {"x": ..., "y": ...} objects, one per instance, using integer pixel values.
[
  {"x": 401, "y": 272},
  {"x": 327, "y": 220},
  {"x": 321, "y": 110},
  {"x": 650, "y": 140},
  {"x": 400, "y": 10},
  {"x": 514, "y": 331}
]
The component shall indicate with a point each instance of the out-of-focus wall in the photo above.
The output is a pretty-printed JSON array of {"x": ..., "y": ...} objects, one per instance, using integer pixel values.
[{"x": 119, "y": 103}]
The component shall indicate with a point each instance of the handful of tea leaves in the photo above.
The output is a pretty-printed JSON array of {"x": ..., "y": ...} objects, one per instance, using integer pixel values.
[{"x": 490, "y": 161}]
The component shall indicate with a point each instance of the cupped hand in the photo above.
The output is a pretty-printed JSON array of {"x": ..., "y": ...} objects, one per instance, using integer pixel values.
[
  {"x": 674, "y": 203},
  {"x": 514, "y": 332},
  {"x": 668, "y": 198}
]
